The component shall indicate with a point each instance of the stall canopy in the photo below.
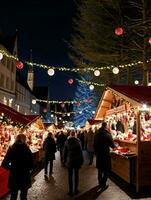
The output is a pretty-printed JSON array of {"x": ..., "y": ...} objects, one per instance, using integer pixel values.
[
  {"x": 136, "y": 95},
  {"x": 17, "y": 117}
]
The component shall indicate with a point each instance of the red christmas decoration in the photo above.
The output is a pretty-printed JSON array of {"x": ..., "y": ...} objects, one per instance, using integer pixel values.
[
  {"x": 70, "y": 81},
  {"x": 45, "y": 110},
  {"x": 119, "y": 31},
  {"x": 78, "y": 104},
  {"x": 149, "y": 40},
  {"x": 62, "y": 105},
  {"x": 89, "y": 100},
  {"x": 19, "y": 65}
]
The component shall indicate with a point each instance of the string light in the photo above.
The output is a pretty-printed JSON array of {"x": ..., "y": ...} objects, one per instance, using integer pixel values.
[
  {"x": 91, "y": 83},
  {"x": 77, "y": 69},
  {"x": 61, "y": 102}
]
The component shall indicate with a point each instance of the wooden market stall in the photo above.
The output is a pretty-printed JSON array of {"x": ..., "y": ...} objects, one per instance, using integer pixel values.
[
  {"x": 127, "y": 110},
  {"x": 11, "y": 122}
]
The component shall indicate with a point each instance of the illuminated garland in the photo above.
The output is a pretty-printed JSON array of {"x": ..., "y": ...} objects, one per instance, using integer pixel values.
[
  {"x": 60, "y": 102},
  {"x": 73, "y": 112},
  {"x": 91, "y": 83},
  {"x": 63, "y": 68},
  {"x": 7, "y": 121}
]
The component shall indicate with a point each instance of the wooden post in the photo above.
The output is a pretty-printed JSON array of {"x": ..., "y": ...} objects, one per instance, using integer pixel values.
[{"x": 138, "y": 168}]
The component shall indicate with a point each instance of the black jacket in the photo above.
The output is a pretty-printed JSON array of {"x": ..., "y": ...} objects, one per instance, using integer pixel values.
[
  {"x": 49, "y": 146},
  {"x": 72, "y": 153},
  {"x": 19, "y": 161},
  {"x": 102, "y": 143}
]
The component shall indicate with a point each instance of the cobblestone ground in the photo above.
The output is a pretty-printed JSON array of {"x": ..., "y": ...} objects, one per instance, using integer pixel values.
[{"x": 56, "y": 187}]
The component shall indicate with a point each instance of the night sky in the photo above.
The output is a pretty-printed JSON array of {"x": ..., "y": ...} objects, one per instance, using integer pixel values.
[{"x": 43, "y": 26}]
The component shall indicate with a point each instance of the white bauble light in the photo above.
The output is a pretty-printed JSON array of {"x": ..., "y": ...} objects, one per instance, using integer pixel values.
[
  {"x": 52, "y": 115},
  {"x": 93, "y": 112},
  {"x": 33, "y": 101},
  {"x": 115, "y": 70},
  {"x": 97, "y": 73},
  {"x": 68, "y": 114},
  {"x": 80, "y": 112},
  {"x": 136, "y": 82},
  {"x": 91, "y": 87},
  {"x": 51, "y": 72},
  {"x": 1, "y": 56}
]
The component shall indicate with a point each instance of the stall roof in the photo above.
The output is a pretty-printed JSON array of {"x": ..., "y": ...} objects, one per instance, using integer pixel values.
[
  {"x": 16, "y": 116},
  {"x": 134, "y": 94},
  {"x": 138, "y": 93}
]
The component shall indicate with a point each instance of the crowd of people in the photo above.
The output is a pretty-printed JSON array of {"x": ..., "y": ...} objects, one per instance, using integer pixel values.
[{"x": 19, "y": 161}]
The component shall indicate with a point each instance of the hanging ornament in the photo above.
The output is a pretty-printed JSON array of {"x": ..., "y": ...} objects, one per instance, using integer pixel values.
[
  {"x": 19, "y": 65},
  {"x": 33, "y": 101},
  {"x": 89, "y": 100},
  {"x": 45, "y": 110},
  {"x": 97, "y": 73},
  {"x": 62, "y": 105},
  {"x": 51, "y": 72},
  {"x": 136, "y": 82},
  {"x": 119, "y": 31},
  {"x": 93, "y": 112},
  {"x": 68, "y": 114},
  {"x": 149, "y": 40},
  {"x": 80, "y": 112},
  {"x": 78, "y": 104},
  {"x": 52, "y": 115},
  {"x": 70, "y": 81},
  {"x": 91, "y": 87},
  {"x": 1, "y": 56},
  {"x": 115, "y": 70}
]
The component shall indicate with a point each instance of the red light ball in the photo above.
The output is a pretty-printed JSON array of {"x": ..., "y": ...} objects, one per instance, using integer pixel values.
[
  {"x": 19, "y": 65},
  {"x": 149, "y": 40},
  {"x": 45, "y": 110},
  {"x": 78, "y": 104},
  {"x": 70, "y": 81},
  {"x": 119, "y": 31},
  {"x": 62, "y": 105}
]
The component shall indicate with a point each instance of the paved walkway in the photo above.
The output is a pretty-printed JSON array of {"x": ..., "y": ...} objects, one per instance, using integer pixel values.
[{"x": 56, "y": 187}]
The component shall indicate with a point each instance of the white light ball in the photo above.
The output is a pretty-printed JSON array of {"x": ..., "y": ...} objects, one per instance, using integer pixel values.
[
  {"x": 149, "y": 84},
  {"x": 115, "y": 70},
  {"x": 68, "y": 114},
  {"x": 33, "y": 101},
  {"x": 51, "y": 72},
  {"x": 136, "y": 82},
  {"x": 1, "y": 56},
  {"x": 93, "y": 112},
  {"x": 97, "y": 73},
  {"x": 91, "y": 87},
  {"x": 52, "y": 115}
]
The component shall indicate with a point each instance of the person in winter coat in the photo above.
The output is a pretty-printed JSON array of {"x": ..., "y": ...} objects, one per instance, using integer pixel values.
[
  {"x": 89, "y": 141},
  {"x": 60, "y": 144},
  {"x": 49, "y": 147},
  {"x": 102, "y": 143},
  {"x": 73, "y": 158},
  {"x": 19, "y": 162}
]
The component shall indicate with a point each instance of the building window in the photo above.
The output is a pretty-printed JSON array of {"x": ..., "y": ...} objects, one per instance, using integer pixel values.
[
  {"x": 1, "y": 80},
  {"x": 7, "y": 82}
]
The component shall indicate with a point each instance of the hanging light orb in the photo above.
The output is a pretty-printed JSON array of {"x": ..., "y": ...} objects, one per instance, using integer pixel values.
[
  {"x": 1, "y": 56},
  {"x": 51, "y": 72},
  {"x": 33, "y": 101},
  {"x": 136, "y": 82},
  {"x": 91, "y": 87},
  {"x": 45, "y": 110},
  {"x": 115, "y": 70},
  {"x": 80, "y": 112},
  {"x": 68, "y": 114},
  {"x": 119, "y": 31},
  {"x": 93, "y": 112},
  {"x": 78, "y": 104},
  {"x": 97, "y": 73},
  {"x": 19, "y": 65},
  {"x": 62, "y": 105},
  {"x": 60, "y": 118},
  {"x": 149, "y": 40},
  {"x": 52, "y": 115},
  {"x": 70, "y": 81}
]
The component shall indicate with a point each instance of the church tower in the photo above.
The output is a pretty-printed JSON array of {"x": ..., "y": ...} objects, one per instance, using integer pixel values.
[{"x": 30, "y": 75}]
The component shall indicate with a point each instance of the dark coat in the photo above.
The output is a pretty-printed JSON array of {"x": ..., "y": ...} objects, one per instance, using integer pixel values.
[
  {"x": 49, "y": 147},
  {"x": 19, "y": 161},
  {"x": 72, "y": 154},
  {"x": 60, "y": 141},
  {"x": 102, "y": 143}
]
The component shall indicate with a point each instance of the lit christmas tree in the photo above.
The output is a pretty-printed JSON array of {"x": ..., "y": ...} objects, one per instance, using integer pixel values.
[{"x": 86, "y": 106}]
